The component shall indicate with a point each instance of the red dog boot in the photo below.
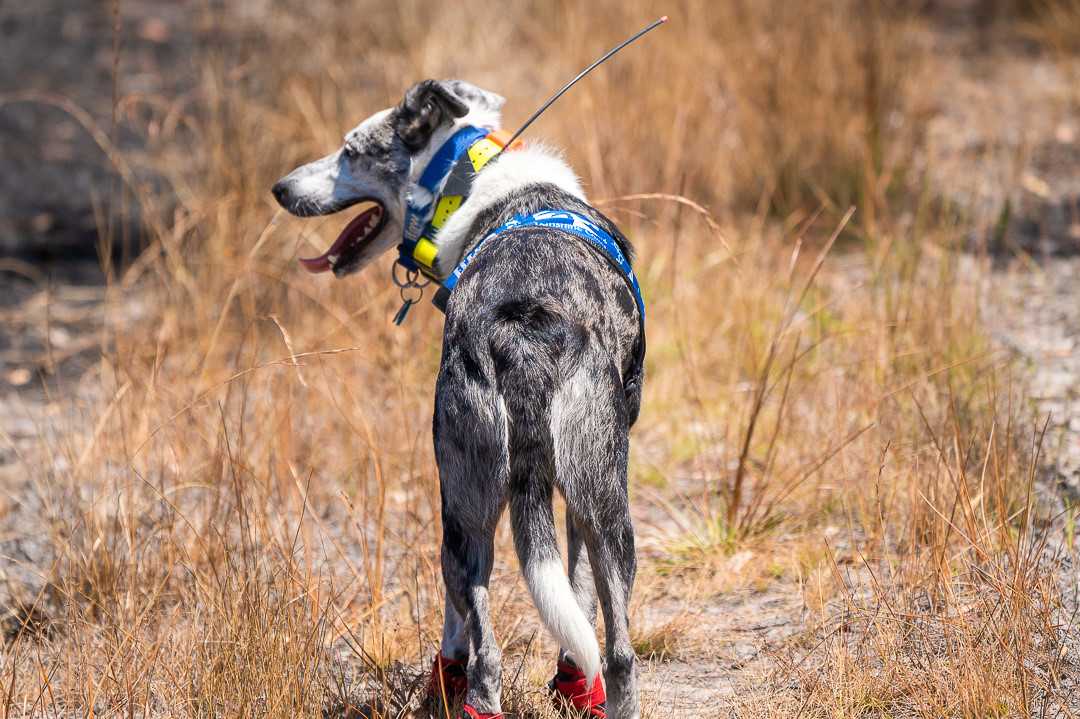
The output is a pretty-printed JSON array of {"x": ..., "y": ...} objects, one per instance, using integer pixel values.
[
  {"x": 448, "y": 680},
  {"x": 570, "y": 693},
  {"x": 469, "y": 713}
]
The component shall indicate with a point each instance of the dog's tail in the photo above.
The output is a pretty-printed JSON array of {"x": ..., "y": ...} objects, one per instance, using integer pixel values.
[
  {"x": 560, "y": 611},
  {"x": 531, "y": 345}
]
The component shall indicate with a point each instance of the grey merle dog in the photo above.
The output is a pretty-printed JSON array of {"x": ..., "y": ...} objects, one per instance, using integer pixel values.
[{"x": 539, "y": 384}]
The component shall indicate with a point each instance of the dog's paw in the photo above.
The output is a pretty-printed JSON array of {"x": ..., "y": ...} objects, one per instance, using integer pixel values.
[
  {"x": 446, "y": 686},
  {"x": 469, "y": 713},
  {"x": 569, "y": 690}
]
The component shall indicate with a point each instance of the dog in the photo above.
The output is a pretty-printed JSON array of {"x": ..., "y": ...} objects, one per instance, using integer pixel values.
[{"x": 539, "y": 383}]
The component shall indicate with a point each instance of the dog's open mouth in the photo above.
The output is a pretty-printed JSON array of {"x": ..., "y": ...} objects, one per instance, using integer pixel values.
[{"x": 356, "y": 235}]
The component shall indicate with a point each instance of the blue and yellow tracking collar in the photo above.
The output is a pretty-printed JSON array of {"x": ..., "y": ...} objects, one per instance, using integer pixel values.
[
  {"x": 447, "y": 180},
  {"x": 456, "y": 162}
]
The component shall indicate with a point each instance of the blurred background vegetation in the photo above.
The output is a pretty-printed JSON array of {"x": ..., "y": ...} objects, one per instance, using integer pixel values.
[{"x": 228, "y": 504}]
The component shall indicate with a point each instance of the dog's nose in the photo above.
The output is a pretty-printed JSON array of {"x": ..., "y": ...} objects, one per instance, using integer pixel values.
[{"x": 281, "y": 192}]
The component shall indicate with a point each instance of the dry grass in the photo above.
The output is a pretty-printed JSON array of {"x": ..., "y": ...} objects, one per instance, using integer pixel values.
[{"x": 243, "y": 522}]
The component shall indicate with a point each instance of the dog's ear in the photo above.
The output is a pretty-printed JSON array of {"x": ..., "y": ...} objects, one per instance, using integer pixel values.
[
  {"x": 425, "y": 107},
  {"x": 476, "y": 98}
]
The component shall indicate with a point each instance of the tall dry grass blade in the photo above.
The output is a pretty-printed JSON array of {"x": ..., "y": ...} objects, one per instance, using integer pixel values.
[{"x": 705, "y": 215}]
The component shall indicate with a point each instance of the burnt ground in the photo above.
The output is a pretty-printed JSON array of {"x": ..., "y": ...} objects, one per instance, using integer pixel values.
[{"x": 1003, "y": 147}]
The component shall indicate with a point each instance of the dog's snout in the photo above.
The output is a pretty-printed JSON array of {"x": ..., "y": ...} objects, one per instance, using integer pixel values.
[{"x": 281, "y": 192}]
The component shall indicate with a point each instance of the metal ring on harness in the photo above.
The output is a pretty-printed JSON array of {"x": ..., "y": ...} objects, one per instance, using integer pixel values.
[
  {"x": 419, "y": 289},
  {"x": 411, "y": 275}
]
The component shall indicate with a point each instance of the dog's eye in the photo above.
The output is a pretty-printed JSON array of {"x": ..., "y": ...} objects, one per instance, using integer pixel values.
[{"x": 350, "y": 151}]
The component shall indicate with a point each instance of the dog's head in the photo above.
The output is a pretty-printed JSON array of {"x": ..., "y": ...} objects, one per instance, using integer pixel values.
[{"x": 381, "y": 160}]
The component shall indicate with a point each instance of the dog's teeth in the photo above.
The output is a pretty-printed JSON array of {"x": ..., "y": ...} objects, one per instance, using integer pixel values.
[{"x": 331, "y": 259}]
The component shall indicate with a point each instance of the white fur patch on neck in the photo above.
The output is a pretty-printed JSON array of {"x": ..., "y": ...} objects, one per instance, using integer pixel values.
[{"x": 503, "y": 176}]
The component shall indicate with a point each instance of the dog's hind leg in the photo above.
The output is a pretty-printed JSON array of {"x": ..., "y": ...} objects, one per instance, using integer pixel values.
[
  {"x": 590, "y": 426},
  {"x": 467, "y": 555},
  {"x": 611, "y": 547},
  {"x": 472, "y": 475}
]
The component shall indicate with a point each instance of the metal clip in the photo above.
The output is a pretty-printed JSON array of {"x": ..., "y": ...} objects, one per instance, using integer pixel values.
[
  {"x": 409, "y": 283},
  {"x": 400, "y": 316}
]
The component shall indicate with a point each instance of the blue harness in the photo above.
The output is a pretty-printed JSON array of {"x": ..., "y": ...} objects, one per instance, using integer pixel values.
[{"x": 568, "y": 222}]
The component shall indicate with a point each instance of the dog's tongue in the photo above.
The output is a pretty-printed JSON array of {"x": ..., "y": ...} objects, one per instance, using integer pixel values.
[{"x": 359, "y": 229}]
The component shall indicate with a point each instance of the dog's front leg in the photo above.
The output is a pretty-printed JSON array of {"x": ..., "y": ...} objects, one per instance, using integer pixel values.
[
  {"x": 581, "y": 577},
  {"x": 449, "y": 682},
  {"x": 455, "y": 638}
]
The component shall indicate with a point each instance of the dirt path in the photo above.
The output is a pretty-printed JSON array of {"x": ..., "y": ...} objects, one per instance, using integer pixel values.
[{"x": 1037, "y": 316}]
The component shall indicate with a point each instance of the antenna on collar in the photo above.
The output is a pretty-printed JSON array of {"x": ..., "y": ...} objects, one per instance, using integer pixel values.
[{"x": 585, "y": 72}]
